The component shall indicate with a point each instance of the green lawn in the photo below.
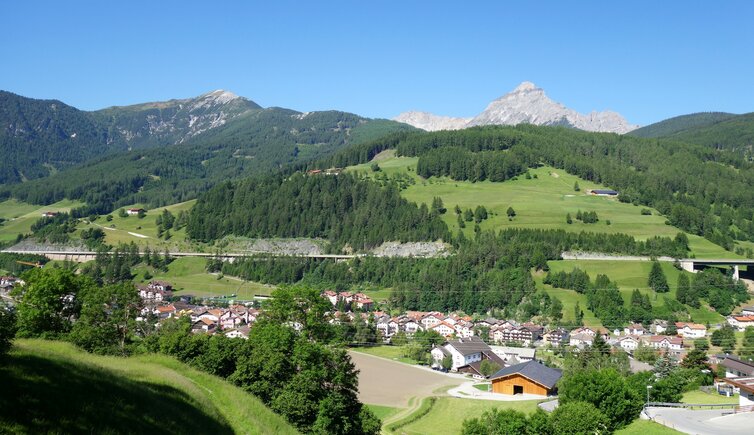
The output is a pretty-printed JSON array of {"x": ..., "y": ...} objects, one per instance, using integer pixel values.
[
  {"x": 699, "y": 397},
  {"x": 52, "y": 387},
  {"x": 448, "y": 414},
  {"x": 646, "y": 427},
  {"x": 541, "y": 202},
  {"x": 189, "y": 276},
  {"x": 629, "y": 275},
  {"x": 20, "y": 216},
  {"x": 394, "y": 353},
  {"x": 143, "y": 231},
  {"x": 383, "y": 412},
  {"x": 482, "y": 387}
]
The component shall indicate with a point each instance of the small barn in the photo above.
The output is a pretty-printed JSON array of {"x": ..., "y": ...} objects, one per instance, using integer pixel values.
[
  {"x": 530, "y": 377},
  {"x": 604, "y": 192}
]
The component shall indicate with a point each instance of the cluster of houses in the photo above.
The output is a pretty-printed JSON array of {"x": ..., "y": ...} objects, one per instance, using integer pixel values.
[
  {"x": 358, "y": 301},
  {"x": 234, "y": 321}
]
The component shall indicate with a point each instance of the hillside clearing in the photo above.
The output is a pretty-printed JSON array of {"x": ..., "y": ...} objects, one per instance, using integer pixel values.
[
  {"x": 189, "y": 276},
  {"x": 52, "y": 387},
  {"x": 540, "y": 202},
  {"x": 19, "y": 216}
]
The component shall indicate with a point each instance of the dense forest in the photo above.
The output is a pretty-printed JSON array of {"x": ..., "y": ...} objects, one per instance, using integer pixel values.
[
  {"x": 257, "y": 141},
  {"x": 702, "y": 190},
  {"x": 342, "y": 209},
  {"x": 488, "y": 272}
]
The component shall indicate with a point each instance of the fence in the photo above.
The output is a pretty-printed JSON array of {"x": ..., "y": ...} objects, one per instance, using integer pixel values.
[{"x": 693, "y": 405}]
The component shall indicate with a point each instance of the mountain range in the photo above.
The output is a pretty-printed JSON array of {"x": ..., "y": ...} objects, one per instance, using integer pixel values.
[{"x": 526, "y": 104}]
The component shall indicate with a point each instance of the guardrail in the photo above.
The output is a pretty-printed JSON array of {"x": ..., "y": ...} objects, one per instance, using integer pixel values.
[{"x": 692, "y": 405}]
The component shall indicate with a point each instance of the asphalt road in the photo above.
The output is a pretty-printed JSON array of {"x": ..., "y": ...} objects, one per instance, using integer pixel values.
[{"x": 704, "y": 422}]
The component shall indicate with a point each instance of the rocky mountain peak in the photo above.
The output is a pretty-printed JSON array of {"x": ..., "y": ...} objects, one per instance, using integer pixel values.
[{"x": 526, "y": 104}]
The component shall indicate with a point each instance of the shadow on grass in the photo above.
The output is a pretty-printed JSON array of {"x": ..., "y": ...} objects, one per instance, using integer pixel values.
[{"x": 39, "y": 395}]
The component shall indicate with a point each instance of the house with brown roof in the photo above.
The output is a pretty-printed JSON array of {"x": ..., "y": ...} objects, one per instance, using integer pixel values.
[
  {"x": 691, "y": 330},
  {"x": 531, "y": 377},
  {"x": 203, "y": 325}
]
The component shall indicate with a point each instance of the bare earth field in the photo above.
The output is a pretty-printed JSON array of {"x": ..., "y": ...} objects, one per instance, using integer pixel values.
[{"x": 385, "y": 382}]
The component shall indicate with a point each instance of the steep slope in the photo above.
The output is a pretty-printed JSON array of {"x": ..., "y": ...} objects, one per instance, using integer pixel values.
[
  {"x": 734, "y": 133},
  {"x": 38, "y": 136},
  {"x": 52, "y": 387},
  {"x": 527, "y": 104},
  {"x": 171, "y": 122},
  {"x": 253, "y": 142},
  {"x": 41, "y": 137},
  {"x": 671, "y": 126}
]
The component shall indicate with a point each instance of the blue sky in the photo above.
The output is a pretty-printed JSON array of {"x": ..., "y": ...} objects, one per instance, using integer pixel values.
[{"x": 648, "y": 60}]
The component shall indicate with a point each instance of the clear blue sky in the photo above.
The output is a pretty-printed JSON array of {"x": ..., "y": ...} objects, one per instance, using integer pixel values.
[{"x": 648, "y": 60}]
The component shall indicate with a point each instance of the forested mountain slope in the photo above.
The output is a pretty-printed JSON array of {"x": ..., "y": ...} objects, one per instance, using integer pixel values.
[
  {"x": 716, "y": 130},
  {"x": 671, "y": 126},
  {"x": 257, "y": 140},
  {"x": 701, "y": 190},
  {"x": 40, "y": 137}
]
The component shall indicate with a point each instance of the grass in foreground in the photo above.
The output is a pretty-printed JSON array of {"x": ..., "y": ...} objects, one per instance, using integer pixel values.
[
  {"x": 448, "y": 413},
  {"x": 189, "y": 276},
  {"x": 646, "y": 427},
  {"x": 52, "y": 387},
  {"x": 383, "y": 412}
]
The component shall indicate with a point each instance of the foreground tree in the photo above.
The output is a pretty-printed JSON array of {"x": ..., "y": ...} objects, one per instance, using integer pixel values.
[
  {"x": 7, "y": 327},
  {"x": 607, "y": 390},
  {"x": 579, "y": 418},
  {"x": 107, "y": 322},
  {"x": 48, "y": 302}
]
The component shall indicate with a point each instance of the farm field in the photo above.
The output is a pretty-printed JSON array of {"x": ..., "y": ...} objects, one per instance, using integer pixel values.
[
  {"x": 189, "y": 276},
  {"x": 540, "y": 202},
  {"x": 629, "y": 275},
  {"x": 52, "y": 387},
  {"x": 389, "y": 383},
  {"x": 20, "y": 216}
]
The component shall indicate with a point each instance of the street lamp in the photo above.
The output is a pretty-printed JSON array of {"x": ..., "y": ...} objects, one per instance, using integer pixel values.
[{"x": 649, "y": 387}]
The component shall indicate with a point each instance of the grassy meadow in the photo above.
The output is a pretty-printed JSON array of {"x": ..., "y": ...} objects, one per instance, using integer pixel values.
[
  {"x": 629, "y": 275},
  {"x": 540, "y": 202},
  {"x": 143, "y": 231},
  {"x": 19, "y": 216},
  {"x": 52, "y": 387},
  {"x": 189, "y": 276}
]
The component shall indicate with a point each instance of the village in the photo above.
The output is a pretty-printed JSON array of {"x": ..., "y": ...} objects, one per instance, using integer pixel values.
[{"x": 511, "y": 356}]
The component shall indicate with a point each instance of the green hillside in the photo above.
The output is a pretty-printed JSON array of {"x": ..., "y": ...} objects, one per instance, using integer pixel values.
[
  {"x": 19, "y": 216},
  {"x": 254, "y": 142},
  {"x": 629, "y": 275},
  {"x": 52, "y": 387},
  {"x": 671, "y": 126},
  {"x": 539, "y": 202}
]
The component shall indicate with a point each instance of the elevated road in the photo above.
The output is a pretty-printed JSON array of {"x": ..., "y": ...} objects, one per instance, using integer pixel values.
[{"x": 84, "y": 256}]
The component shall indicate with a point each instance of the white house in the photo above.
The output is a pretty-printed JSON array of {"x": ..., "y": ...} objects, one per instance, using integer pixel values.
[
  {"x": 134, "y": 211},
  {"x": 634, "y": 329},
  {"x": 444, "y": 329},
  {"x": 431, "y": 320},
  {"x": 581, "y": 339},
  {"x": 463, "y": 351},
  {"x": 628, "y": 343},
  {"x": 747, "y": 311},
  {"x": 741, "y": 322},
  {"x": 691, "y": 330},
  {"x": 736, "y": 368},
  {"x": 521, "y": 354},
  {"x": 665, "y": 342}
]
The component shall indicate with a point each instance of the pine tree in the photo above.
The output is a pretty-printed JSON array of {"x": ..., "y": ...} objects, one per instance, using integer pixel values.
[
  {"x": 569, "y": 221},
  {"x": 576, "y": 187},
  {"x": 657, "y": 280},
  {"x": 684, "y": 289}
]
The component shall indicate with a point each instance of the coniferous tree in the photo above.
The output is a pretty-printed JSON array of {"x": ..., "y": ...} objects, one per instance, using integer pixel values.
[{"x": 657, "y": 280}]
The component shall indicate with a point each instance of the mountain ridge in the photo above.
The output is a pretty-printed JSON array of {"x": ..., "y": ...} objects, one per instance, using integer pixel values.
[{"x": 526, "y": 104}]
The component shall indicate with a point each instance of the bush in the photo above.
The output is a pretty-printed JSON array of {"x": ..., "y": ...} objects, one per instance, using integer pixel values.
[
  {"x": 7, "y": 328},
  {"x": 579, "y": 418}
]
